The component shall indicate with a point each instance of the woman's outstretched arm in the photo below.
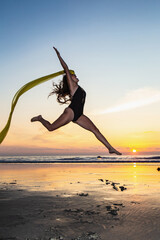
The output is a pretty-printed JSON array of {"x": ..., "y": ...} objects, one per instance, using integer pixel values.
[{"x": 65, "y": 67}]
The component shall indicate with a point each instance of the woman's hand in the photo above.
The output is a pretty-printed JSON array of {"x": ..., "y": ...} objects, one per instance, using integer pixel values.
[{"x": 56, "y": 51}]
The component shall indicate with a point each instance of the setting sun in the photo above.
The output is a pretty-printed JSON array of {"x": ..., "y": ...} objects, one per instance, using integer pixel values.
[{"x": 134, "y": 150}]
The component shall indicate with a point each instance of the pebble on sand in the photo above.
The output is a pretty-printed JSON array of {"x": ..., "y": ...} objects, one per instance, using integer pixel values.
[
  {"x": 122, "y": 188},
  {"x": 83, "y": 194},
  {"x": 101, "y": 180}
]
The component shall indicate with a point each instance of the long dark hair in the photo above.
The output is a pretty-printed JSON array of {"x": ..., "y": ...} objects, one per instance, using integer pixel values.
[{"x": 62, "y": 91}]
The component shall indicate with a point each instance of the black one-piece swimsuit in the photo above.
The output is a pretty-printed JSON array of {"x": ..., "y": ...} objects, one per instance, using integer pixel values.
[{"x": 77, "y": 103}]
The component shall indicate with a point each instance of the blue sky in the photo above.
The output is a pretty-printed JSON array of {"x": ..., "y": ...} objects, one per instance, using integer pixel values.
[{"x": 112, "y": 45}]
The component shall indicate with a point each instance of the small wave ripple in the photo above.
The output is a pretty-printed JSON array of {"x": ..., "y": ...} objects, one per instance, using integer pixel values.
[{"x": 79, "y": 159}]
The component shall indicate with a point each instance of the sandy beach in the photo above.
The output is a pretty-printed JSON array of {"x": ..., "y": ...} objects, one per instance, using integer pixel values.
[{"x": 80, "y": 201}]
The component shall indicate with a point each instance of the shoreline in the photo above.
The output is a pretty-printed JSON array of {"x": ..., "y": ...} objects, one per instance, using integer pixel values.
[{"x": 77, "y": 161}]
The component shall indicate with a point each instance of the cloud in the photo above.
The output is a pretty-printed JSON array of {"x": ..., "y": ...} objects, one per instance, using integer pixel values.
[
  {"x": 23, "y": 150},
  {"x": 134, "y": 99},
  {"x": 47, "y": 137}
]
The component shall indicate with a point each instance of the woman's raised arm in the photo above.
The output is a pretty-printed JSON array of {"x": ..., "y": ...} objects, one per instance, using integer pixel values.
[{"x": 65, "y": 67}]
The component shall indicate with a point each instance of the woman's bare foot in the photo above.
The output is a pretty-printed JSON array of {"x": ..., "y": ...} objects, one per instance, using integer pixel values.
[
  {"x": 113, "y": 150},
  {"x": 37, "y": 118}
]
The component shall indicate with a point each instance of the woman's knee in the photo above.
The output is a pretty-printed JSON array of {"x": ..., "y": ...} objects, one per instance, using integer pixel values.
[
  {"x": 64, "y": 119},
  {"x": 50, "y": 128}
]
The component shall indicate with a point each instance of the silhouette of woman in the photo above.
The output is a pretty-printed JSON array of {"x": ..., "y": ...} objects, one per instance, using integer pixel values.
[{"x": 69, "y": 91}]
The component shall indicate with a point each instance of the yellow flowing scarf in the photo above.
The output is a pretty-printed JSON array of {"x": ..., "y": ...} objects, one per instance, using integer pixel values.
[{"x": 22, "y": 90}]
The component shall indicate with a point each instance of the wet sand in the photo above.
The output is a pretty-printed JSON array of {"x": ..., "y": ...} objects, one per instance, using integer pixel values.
[{"x": 80, "y": 201}]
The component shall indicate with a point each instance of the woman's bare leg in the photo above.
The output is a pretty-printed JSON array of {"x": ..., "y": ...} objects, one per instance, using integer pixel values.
[
  {"x": 87, "y": 124},
  {"x": 66, "y": 117}
]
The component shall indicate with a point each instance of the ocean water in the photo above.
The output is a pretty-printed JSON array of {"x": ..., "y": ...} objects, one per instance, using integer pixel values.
[{"x": 80, "y": 159}]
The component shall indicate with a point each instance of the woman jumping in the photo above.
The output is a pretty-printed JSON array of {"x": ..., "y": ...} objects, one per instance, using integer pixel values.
[{"x": 69, "y": 90}]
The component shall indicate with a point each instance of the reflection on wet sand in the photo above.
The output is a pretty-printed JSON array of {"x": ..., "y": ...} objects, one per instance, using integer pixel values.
[
  {"x": 79, "y": 201},
  {"x": 46, "y": 177}
]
